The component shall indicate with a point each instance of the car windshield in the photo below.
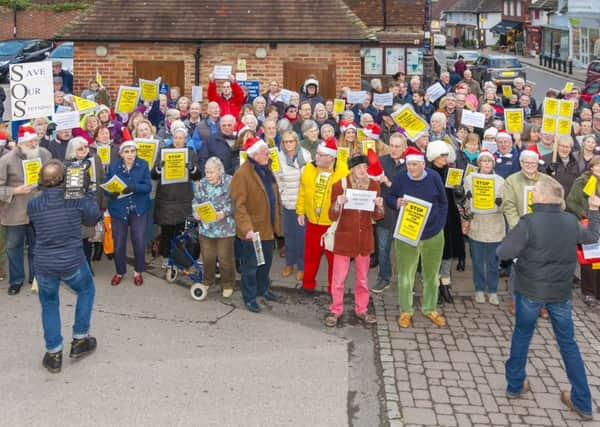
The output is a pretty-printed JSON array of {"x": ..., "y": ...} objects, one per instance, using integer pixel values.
[
  {"x": 505, "y": 63},
  {"x": 10, "y": 47},
  {"x": 593, "y": 87},
  {"x": 63, "y": 51},
  {"x": 470, "y": 56}
]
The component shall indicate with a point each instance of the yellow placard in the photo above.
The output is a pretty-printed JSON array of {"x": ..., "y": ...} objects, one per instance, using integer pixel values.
[
  {"x": 31, "y": 171},
  {"x": 114, "y": 185},
  {"x": 103, "y": 152},
  {"x": 274, "y": 156},
  {"x": 484, "y": 198},
  {"x": 551, "y": 106},
  {"x": 148, "y": 90},
  {"x": 127, "y": 99},
  {"x": 206, "y": 211},
  {"x": 369, "y": 144},
  {"x": 339, "y": 105},
  {"x": 413, "y": 124},
  {"x": 590, "y": 186},
  {"x": 566, "y": 109},
  {"x": 147, "y": 150},
  {"x": 243, "y": 157},
  {"x": 549, "y": 124},
  {"x": 568, "y": 87},
  {"x": 513, "y": 120},
  {"x": 470, "y": 169},
  {"x": 98, "y": 78},
  {"x": 361, "y": 135},
  {"x": 174, "y": 168},
  {"x": 342, "y": 155},
  {"x": 82, "y": 104},
  {"x": 413, "y": 220},
  {"x": 454, "y": 177},
  {"x": 271, "y": 143},
  {"x": 507, "y": 91},
  {"x": 528, "y": 199},
  {"x": 563, "y": 126}
]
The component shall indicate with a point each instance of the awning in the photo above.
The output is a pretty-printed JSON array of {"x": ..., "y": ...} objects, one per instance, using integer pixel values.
[{"x": 505, "y": 26}]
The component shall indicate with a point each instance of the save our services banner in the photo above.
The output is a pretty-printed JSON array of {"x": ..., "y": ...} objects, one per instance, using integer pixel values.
[{"x": 31, "y": 90}]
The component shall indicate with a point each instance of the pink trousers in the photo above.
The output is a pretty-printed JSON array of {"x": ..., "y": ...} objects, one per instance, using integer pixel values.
[{"x": 341, "y": 265}]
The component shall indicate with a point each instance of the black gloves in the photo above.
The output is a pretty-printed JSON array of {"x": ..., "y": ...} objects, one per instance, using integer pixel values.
[
  {"x": 469, "y": 195},
  {"x": 190, "y": 166},
  {"x": 498, "y": 201},
  {"x": 50, "y": 129}
]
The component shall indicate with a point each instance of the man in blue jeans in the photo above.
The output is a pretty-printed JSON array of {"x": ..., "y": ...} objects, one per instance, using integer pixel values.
[
  {"x": 543, "y": 272},
  {"x": 58, "y": 256}
]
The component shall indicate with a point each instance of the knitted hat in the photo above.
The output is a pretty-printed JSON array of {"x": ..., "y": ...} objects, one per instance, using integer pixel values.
[
  {"x": 436, "y": 149},
  {"x": 486, "y": 153},
  {"x": 531, "y": 152},
  {"x": 412, "y": 154},
  {"x": 373, "y": 130},
  {"x": 328, "y": 147},
  {"x": 252, "y": 145},
  {"x": 490, "y": 132},
  {"x": 101, "y": 108},
  {"x": 346, "y": 124},
  {"x": 27, "y": 133},
  {"x": 126, "y": 144},
  {"x": 502, "y": 134},
  {"x": 356, "y": 160}
]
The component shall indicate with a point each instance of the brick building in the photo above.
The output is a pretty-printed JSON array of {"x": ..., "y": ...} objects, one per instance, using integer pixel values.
[{"x": 338, "y": 41}]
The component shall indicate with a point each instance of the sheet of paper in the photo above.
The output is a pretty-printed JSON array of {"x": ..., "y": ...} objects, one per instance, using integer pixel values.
[
  {"x": 222, "y": 72},
  {"x": 196, "y": 93},
  {"x": 68, "y": 120},
  {"x": 385, "y": 99},
  {"x": 361, "y": 200},
  {"x": 472, "y": 118},
  {"x": 356, "y": 96},
  {"x": 435, "y": 92}
]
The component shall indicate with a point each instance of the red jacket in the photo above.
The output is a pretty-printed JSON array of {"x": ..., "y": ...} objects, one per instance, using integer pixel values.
[{"x": 232, "y": 105}]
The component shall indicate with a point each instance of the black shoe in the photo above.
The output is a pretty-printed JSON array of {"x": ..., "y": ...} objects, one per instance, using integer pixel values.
[
  {"x": 82, "y": 347},
  {"x": 306, "y": 292},
  {"x": 97, "y": 256},
  {"x": 445, "y": 292},
  {"x": 460, "y": 265},
  {"x": 53, "y": 362},
  {"x": 440, "y": 300},
  {"x": 373, "y": 262},
  {"x": 14, "y": 290},
  {"x": 253, "y": 307},
  {"x": 270, "y": 296},
  {"x": 380, "y": 286}
]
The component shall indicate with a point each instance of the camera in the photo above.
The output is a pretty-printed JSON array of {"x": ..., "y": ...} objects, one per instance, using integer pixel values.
[{"x": 77, "y": 178}]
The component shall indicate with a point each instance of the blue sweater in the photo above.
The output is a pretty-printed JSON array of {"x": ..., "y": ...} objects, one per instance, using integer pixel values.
[
  {"x": 430, "y": 189},
  {"x": 507, "y": 165},
  {"x": 58, "y": 249},
  {"x": 138, "y": 176}
]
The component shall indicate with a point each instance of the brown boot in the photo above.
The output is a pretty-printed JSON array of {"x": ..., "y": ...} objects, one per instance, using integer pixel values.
[{"x": 287, "y": 270}]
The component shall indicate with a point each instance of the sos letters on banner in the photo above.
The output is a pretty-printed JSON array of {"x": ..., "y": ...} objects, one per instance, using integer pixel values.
[{"x": 31, "y": 90}]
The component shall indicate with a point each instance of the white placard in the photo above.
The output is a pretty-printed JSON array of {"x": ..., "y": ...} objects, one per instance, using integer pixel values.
[
  {"x": 360, "y": 200},
  {"x": 472, "y": 118},
  {"x": 491, "y": 146},
  {"x": 435, "y": 92},
  {"x": 356, "y": 97},
  {"x": 222, "y": 72},
  {"x": 241, "y": 76},
  {"x": 591, "y": 251},
  {"x": 68, "y": 120},
  {"x": 285, "y": 95},
  {"x": 385, "y": 99},
  {"x": 196, "y": 93},
  {"x": 63, "y": 109},
  {"x": 32, "y": 90}
]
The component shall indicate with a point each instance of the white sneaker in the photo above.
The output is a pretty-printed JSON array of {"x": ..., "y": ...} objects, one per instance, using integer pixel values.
[
  {"x": 165, "y": 263},
  {"x": 445, "y": 281},
  {"x": 479, "y": 297},
  {"x": 227, "y": 293},
  {"x": 493, "y": 299}
]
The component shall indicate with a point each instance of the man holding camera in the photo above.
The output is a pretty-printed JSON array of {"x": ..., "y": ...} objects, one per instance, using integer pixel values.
[{"x": 58, "y": 256}]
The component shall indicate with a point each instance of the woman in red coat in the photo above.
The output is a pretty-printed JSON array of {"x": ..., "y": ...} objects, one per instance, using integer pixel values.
[{"x": 353, "y": 239}]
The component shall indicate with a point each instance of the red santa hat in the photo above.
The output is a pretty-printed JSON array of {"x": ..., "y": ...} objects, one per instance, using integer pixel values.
[
  {"x": 328, "y": 147},
  {"x": 486, "y": 153},
  {"x": 127, "y": 140},
  {"x": 3, "y": 138},
  {"x": 531, "y": 152},
  {"x": 347, "y": 124},
  {"x": 374, "y": 170},
  {"x": 413, "y": 154},
  {"x": 252, "y": 145},
  {"x": 27, "y": 133},
  {"x": 373, "y": 130},
  {"x": 240, "y": 127},
  {"x": 502, "y": 134}
]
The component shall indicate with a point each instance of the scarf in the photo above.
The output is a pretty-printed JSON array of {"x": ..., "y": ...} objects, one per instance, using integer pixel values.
[
  {"x": 268, "y": 179},
  {"x": 291, "y": 120},
  {"x": 297, "y": 156},
  {"x": 471, "y": 157}
]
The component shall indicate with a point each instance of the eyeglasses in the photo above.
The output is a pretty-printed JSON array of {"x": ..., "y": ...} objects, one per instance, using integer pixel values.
[{"x": 289, "y": 141}]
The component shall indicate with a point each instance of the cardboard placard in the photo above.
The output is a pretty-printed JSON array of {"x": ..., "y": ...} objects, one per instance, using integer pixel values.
[
  {"x": 412, "y": 220},
  {"x": 174, "y": 169}
]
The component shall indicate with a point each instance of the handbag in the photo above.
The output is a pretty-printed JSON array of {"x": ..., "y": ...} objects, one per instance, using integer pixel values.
[{"x": 328, "y": 238}]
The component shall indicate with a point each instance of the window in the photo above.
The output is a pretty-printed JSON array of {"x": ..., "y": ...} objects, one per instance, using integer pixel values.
[
  {"x": 518, "y": 7},
  {"x": 512, "y": 7},
  {"x": 506, "y": 7}
]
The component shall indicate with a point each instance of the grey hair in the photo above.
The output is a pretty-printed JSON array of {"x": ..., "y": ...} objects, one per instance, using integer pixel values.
[
  {"x": 73, "y": 145},
  {"x": 216, "y": 163},
  {"x": 439, "y": 116},
  {"x": 348, "y": 115},
  {"x": 308, "y": 125},
  {"x": 551, "y": 190}
]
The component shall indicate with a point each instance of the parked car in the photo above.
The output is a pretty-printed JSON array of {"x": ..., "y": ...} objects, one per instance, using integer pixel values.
[
  {"x": 64, "y": 54},
  {"x": 17, "y": 51},
  {"x": 470, "y": 57},
  {"x": 439, "y": 40},
  {"x": 500, "y": 69},
  {"x": 590, "y": 90},
  {"x": 593, "y": 72}
]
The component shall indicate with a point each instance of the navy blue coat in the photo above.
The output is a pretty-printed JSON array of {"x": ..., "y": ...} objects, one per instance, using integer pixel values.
[{"x": 139, "y": 176}]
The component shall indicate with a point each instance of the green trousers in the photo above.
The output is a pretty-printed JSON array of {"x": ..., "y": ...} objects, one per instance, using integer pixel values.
[{"x": 407, "y": 259}]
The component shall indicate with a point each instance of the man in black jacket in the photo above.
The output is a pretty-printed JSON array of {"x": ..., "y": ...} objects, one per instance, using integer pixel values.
[{"x": 544, "y": 270}]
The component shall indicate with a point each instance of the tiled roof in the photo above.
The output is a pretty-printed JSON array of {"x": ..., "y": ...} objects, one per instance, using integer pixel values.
[
  {"x": 544, "y": 4},
  {"x": 223, "y": 20},
  {"x": 476, "y": 6}
]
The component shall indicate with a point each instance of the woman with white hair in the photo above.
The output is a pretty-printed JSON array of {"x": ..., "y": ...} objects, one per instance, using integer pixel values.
[
  {"x": 439, "y": 127},
  {"x": 78, "y": 150},
  {"x": 259, "y": 105},
  {"x": 173, "y": 202}
]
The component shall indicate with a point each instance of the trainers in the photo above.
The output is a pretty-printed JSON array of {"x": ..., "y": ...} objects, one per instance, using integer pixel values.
[
  {"x": 227, "y": 293},
  {"x": 565, "y": 397},
  {"x": 380, "y": 286},
  {"x": 81, "y": 347},
  {"x": 270, "y": 296},
  {"x": 253, "y": 307},
  {"x": 436, "y": 318},
  {"x": 14, "y": 290},
  {"x": 53, "y": 362},
  {"x": 493, "y": 299},
  {"x": 405, "y": 320},
  {"x": 479, "y": 297},
  {"x": 524, "y": 390}
]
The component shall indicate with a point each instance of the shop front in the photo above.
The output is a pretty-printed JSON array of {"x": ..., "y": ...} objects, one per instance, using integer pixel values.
[{"x": 585, "y": 33}]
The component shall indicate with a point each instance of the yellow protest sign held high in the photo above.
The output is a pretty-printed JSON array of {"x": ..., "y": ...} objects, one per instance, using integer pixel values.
[
  {"x": 274, "y": 156},
  {"x": 103, "y": 152},
  {"x": 563, "y": 126},
  {"x": 413, "y": 124},
  {"x": 483, "y": 194},
  {"x": 174, "y": 169},
  {"x": 83, "y": 104},
  {"x": 412, "y": 221},
  {"x": 549, "y": 124},
  {"x": 127, "y": 99},
  {"x": 551, "y": 106},
  {"x": 31, "y": 171},
  {"x": 454, "y": 177},
  {"x": 568, "y": 87},
  {"x": 513, "y": 119},
  {"x": 149, "y": 89},
  {"x": 590, "y": 187},
  {"x": 342, "y": 155},
  {"x": 566, "y": 109},
  {"x": 339, "y": 105},
  {"x": 98, "y": 78},
  {"x": 507, "y": 91},
  {"x": 147, "y": 150},
  {"x": 206, "y": 211}
]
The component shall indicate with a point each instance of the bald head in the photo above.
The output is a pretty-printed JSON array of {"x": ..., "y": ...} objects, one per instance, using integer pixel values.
[{"x": 52, "y": 174}]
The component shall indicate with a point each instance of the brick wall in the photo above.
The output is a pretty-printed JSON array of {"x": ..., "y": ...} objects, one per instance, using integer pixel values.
[
  {"x": 32, "y": 23},
  {"x": 117, "y": 67}
]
